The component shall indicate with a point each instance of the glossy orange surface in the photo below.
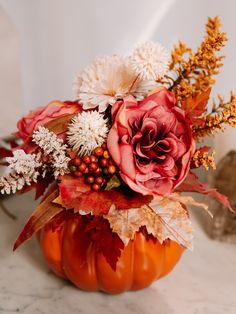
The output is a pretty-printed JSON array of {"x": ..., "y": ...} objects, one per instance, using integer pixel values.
[{"x": 141, "y": 262}]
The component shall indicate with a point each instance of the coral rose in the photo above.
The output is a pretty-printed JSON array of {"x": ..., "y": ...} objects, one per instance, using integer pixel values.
[
  {"x": 151, "y": 142},
  {"x": 42, "y": 115}
]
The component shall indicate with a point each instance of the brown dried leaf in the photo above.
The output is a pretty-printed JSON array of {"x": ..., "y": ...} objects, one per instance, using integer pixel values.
[
  {"x": 40, "y": 217},
  {"x": 59, "y": 125}
]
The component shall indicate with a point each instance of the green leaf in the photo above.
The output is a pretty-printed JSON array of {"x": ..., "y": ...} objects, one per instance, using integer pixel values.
[{"x": 113, "y": 183}]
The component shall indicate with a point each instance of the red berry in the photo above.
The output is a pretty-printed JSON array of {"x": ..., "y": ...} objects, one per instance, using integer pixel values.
[
  {"x": 97, "y": 172},
  {"x": 77, "y": 161},
  {"x": 82, "y": 167},
  {"x": 111, "y": 169},
  {"x": 96, "y": 187},
  {"x": 89, "y": 179},
  {"x": 93, "y": 166},
  {"x": 93, "y": 158},
  {"x": 103, "y": 162},
  {"x": 99, "y": 180},
  {"x": 98, "y": 151},
  {"x": 86, "y": 159}
]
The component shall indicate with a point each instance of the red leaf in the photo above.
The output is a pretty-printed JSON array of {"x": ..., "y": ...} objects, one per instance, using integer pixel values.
[
  {"x": 13, "y": 143},
  {"x": 196, "y": 106},
  {"x": 5, "y": 153},
  {"x": 192, "y": 184},
  {"x": 40, "y": 217},
  {"x": 58, "y": 221},
  {"x": 74, "y": 193},
  {"x": 41, "y": 186},
  {"x": 106, "y": 241}
]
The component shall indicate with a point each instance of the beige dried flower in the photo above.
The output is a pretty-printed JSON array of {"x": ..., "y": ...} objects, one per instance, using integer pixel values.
[
  {"x": 150, "y": 61},
  {"x": 87, "y": 131},
  {"x": 107, "y": 79}
]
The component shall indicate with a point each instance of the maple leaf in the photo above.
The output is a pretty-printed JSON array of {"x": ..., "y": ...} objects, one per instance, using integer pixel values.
[
  {"x": 164, "y": 219},
  {"x": 192, "y": 184},
  {"x": 106, "y": 241},
  {"x": 39, "y": 218},
  {"x": 76, "y": 194},
  {"x": 195, "y": 106}
]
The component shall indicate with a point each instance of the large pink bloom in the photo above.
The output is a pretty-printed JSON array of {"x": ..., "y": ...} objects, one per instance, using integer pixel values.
[
  {"x": 151, "y": 142},
  {"x": 42, "y": 115}
]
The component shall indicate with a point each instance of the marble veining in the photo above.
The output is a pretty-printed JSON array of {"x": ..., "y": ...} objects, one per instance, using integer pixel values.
[{"x": 203, "y": 282}]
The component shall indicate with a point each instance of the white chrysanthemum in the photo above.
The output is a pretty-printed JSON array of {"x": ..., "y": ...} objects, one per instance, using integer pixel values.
[
  {"x": 150, "y": 60},
  {"x": 107, "y": 79},
  {"x": 87, "y": 131}
]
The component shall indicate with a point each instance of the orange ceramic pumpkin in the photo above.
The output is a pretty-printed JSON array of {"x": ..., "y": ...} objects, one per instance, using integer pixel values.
[{"x": 142, "y": 261}]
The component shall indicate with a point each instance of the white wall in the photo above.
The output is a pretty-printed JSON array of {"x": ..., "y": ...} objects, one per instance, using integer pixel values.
[{"x": 59, "y": 37}]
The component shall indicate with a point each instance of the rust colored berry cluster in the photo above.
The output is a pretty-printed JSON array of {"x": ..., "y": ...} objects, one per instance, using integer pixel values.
[{"x": 96, "y": 168}]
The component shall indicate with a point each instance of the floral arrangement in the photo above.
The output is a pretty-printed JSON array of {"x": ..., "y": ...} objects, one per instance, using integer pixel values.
[{"x": 122, "y": 153}]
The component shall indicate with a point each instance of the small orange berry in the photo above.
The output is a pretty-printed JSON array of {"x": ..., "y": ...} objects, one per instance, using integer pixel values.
[
  {"x": 86, "y": 159},
  {"x": 111, "y": 169},
  {"x": 96, "y": 187},
  {"x": 82, "y": 167},
  {"x": 98, "y": 151}
]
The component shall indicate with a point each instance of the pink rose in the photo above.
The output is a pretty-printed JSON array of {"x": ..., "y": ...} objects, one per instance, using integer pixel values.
[
  {"x": 42, "y": 115},
  {"x": 151, "y": 142}
]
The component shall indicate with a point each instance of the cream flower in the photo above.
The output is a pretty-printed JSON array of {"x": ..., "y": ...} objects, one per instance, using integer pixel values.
[
  {"x": 150, "y": 60},
  {"x": 53, "y": 147},
  {"x": 87, "y": 131},
  {"x": 24, "y": 170},
  {"x": 107, "y": 79}
]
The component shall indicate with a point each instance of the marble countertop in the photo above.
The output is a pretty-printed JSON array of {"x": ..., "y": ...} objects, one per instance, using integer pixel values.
[{"x": 204, "y": 281}]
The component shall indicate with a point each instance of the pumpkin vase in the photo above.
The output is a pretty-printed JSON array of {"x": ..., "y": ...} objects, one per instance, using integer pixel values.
[
  {"x": 70, "y": 256},
  {"x": 111, "y": 166}
]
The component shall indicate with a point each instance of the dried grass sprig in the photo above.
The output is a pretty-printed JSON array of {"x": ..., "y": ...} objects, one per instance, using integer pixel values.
[
  {"x": 195, "y": 71},
  {"x": 224, "y": 113},
  {"x": 204, "y": 159}
]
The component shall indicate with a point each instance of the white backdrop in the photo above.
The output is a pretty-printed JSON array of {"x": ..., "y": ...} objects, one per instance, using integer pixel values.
[{"x": 60, "y": 37}]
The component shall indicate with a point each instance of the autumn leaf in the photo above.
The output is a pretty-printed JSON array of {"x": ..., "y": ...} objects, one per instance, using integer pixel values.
[
  {"x": 4, "y": 152},
  {"x": 42, "y": 185},
  {"x": 195, "y": 106},
  {"x": 40, "y": 217},
  {"x": 105, "y": 241},
  {"x": 76, "y": 194},
  {"x": 59, "y": 125},
  {"x": 164, "y": 219},
  {"x": 192, "y": 184}
]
